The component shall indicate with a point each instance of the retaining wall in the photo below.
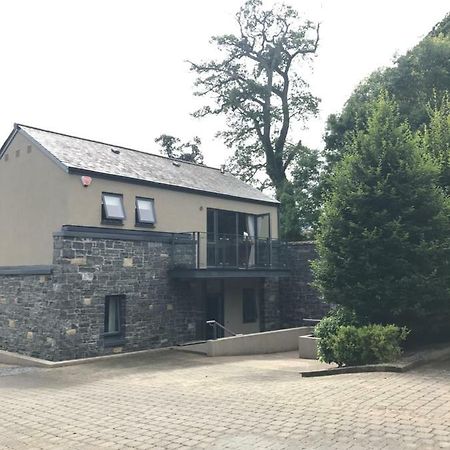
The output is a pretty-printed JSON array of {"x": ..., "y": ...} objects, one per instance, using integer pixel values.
[{"x": 258, "y": 343}]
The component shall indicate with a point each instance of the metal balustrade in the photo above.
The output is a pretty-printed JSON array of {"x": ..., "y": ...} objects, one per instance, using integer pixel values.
[{"x": 199, "y": 250}]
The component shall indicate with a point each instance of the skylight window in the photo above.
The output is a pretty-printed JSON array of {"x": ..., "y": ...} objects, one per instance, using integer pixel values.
[
  {"x": 112, "y": 208},
  {"x": 145, "y": 211}
]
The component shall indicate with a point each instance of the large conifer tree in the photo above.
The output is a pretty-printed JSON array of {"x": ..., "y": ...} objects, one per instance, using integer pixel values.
[{"x": 383, "y": 241}]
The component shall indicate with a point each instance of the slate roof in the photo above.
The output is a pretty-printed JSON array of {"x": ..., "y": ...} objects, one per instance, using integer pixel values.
[{"x": 87, "y": 155}]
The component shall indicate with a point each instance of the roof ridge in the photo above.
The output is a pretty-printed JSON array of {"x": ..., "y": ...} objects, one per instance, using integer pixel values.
[{"x": 117, "y": 146}]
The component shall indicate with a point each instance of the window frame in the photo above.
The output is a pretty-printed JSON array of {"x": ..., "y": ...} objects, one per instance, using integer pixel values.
[
  {"x": 112, "y": 220},
  {"x": 114, "y": 337},
  {"x": 245, "y": 298},
  {"x": 138, "y": 221}
]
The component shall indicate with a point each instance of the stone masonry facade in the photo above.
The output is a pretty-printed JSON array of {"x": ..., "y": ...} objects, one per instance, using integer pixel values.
[
  {"x": 60, "y": 315},
  {"x": 298, "y": 299}
]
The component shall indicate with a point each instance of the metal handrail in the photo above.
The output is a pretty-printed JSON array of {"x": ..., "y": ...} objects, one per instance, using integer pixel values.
[
  {"x": 214, "y": 324},
  {"x": 311, "y": 322}
]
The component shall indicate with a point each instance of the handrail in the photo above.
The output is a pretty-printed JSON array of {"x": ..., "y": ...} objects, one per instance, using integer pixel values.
[
  {"x": 311, "y": 322},
  {"x": 214, "y": 324}
]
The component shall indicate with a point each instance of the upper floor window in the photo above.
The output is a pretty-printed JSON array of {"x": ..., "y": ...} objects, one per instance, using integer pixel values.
[
  {"x": 112, "y": 208},
  {"x": 145, "y": 211}
]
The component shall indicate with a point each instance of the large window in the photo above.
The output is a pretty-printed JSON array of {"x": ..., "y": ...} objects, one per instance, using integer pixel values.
[
  {"x": 145, "y": 211},
  {"x": 114, "y": 316},
  {"x": 113, "y": 211},
  {"x": 249, "y": 306},
  {"x": 237, "y": 239}
]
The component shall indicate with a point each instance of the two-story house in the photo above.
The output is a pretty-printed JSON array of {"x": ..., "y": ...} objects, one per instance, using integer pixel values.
[{"x": 107, "y": 249}]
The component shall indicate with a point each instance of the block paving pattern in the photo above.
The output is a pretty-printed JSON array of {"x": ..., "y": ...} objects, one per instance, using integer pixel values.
[{"x": 171, "y": 399}]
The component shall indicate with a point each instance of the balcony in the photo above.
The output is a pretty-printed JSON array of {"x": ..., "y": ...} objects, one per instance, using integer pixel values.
[{"x": 205, "y": 255}]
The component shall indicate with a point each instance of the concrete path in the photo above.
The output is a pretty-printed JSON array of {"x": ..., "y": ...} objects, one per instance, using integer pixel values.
[{"x": 180, "y": 400}]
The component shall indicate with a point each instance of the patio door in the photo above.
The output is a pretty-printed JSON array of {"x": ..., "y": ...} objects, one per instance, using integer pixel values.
[
  {"x": 214, "y": 306},
  {"x": 235, "y": 238}
]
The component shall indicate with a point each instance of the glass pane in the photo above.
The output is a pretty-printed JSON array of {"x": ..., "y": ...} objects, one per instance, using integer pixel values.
[
  {"x": 112, "y": 305},
  {"x": 210, "y": 221},
  {"x": 146, "y": 212},
  {"x": 226, "y": 223},
  {"x": 263, "y": 226},
  {"x": 113, "y": 207}
]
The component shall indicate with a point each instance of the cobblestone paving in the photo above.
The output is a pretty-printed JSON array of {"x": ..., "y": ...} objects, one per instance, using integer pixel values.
[{"x": 178, "y": 400}]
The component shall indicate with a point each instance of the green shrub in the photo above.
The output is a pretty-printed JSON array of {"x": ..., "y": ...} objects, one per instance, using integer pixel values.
[
  {"x": 371, "y": 344},
  {"x": 329, "y": 326}
]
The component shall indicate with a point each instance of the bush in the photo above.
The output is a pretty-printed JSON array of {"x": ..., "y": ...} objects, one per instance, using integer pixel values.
[
  {"x": 384, "y": 237},
  {"x": 329, "y": 326},
  {"x": 371, "y": 344}
]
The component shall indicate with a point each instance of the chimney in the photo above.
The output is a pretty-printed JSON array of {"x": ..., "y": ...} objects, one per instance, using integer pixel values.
[{"x": 222, "y": 168}]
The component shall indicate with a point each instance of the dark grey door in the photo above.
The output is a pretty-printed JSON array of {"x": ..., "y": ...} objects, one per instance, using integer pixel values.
[{"x": 214, "y": 311}]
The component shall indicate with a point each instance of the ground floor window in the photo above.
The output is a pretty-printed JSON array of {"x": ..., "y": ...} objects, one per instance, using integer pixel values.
[
  {"x": 249, "y": 306},
  {"x": 114, "y": 312}
]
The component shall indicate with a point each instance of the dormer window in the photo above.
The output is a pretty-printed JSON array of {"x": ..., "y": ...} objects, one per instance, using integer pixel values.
[
  {"x": 113, "y": 212},
  {"x": 145, "y": 211}
]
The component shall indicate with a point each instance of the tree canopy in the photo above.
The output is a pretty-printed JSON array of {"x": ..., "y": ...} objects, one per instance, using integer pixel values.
[
  {"x": 172, "y": 147},
  {"x": 435, "y": 139},
  {"x": 259, "y": 88},
  {"x": 415, "y": 80}
]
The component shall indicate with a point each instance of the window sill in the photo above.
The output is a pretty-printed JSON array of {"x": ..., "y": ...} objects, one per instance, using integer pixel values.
[
  {"x": 144, "y": 225},
  {"x": 118, "y": 223},
  {"x": 113, "y": 341}
]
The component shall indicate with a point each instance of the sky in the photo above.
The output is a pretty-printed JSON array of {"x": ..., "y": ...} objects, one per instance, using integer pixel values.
[{"x": 116, "y": 70}]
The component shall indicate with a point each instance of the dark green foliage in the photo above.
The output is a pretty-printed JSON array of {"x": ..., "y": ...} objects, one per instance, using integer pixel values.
[
  {"x": 172, "y": 147},
  {"x": 329, "y": 326},
  {"x": 435, "y": 140},
  {"x": 300, "y": 200},
  {"x": 384, "y": 238},
  {"x": 370, "y": 344},
  {"x": 416, "y": 78}
]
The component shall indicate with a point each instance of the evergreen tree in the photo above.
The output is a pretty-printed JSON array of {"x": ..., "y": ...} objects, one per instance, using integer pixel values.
[
  {"x": 384, "y": 234},
  {"x": 435, "y": 140}
]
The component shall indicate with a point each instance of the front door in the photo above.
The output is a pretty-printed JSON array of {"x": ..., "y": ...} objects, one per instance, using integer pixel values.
[{"x": 214, "y": 311}]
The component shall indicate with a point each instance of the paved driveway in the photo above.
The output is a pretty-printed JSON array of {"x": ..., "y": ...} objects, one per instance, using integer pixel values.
[{"x": 175, "y": 400}]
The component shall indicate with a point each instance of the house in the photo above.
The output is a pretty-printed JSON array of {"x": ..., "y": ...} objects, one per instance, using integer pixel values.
[{"x": 106, "y": 249}]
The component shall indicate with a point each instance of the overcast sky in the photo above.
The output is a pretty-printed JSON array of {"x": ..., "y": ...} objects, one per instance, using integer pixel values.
[{"x": 115, "y": 70}]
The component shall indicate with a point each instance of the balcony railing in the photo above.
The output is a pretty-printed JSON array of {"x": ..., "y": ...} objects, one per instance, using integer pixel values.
[{"x": 225, "y": 251}]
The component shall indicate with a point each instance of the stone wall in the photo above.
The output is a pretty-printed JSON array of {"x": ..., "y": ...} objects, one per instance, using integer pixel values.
[
  {"x": 61, "y": 316},
  {"x": 27, "y": 314},
  {"x": 298, "y": 299}
]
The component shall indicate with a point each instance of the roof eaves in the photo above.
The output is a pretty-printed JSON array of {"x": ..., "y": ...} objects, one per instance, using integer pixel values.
[{"x": 80, "y": 171}]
